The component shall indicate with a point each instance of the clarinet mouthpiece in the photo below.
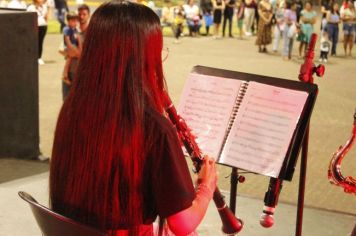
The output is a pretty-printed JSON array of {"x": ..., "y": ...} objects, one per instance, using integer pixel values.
[{"x": 267, "y": 217}]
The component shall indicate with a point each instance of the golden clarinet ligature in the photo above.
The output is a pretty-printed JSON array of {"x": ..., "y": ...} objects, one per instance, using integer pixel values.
[{"x": 334, "y": 173}]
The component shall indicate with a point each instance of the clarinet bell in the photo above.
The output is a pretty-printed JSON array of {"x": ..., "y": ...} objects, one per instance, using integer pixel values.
[{"x": 267, "y": 219}]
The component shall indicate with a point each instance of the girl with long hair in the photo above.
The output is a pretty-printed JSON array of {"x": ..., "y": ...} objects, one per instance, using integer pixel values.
[
  {"x": 333, "y": 18},
  {"x": 117, "y": 163}
]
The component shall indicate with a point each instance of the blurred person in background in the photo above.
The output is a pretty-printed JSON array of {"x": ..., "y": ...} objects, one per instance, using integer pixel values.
[
  {"x": 264, "y": 33},
  {"x": 61, "y": 8},
  {"x": 324, "y": 47},
  {"x": 307, "y": 21},
  {"x": 192, "y": 15},
  {"x": 240, "y": 8},
  {"x": 179, "y": 19},
  {"x": 249, "y": 16},
  {"x": 40, "y": 7},
  {"x": 228, "y": 15},
  {"x": 326, "y": 6},
  {"x": 17, "y": 4},
  {"x": 206, "y": 7},
  {"x": 290, "y": 29},
  {"x": 84, "y": 18},
  {"x": 3, "y": 4},
  {"x": 218, "y": 6},
  {"x": 333, "y": 21},
  {"x": 72, "y": 42},
  {"x": 348, "y": 17},
  {"x": 279, "y": 25},
  {"x": 299, "y": 4},
  {"x": 167, "y": 14}
]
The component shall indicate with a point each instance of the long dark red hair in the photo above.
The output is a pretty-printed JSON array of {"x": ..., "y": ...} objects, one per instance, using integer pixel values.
[{"x": 99, "y": 146}]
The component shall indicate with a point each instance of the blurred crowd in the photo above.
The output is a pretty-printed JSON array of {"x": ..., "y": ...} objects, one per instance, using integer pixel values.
[{"x": 277, "y": 22}]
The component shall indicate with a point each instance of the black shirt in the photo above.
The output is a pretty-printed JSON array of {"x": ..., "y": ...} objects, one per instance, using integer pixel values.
[{"x": 169, "y": 187}]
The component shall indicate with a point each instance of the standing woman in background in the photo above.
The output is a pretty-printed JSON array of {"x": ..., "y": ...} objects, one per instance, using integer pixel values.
[
  {"x": 348, "y": 16},
  {"x": 307, "y": 21},
  {"x": 333, "y": 18},
  {"x": 264, "y": 33},
  {"x": 117, "y": 162},
  {"x": 279, "y": 26},
  {"x": 290, "y": 19},
  {"x": 228, "y": 15},
  {"x": 326, "y": 6},
  {"x": 41, "y": 9},
  {"x": 240, "y": 8},
  {"x": 218, "y": 6},
  {"x": 249, "y": 16}
]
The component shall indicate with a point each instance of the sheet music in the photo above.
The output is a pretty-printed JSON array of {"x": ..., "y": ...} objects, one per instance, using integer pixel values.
[
  {"x": 263, "y": 128},
  {"x": 206, "y": 105}
]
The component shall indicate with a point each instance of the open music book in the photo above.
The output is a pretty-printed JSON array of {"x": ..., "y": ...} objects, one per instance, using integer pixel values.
[{"x": 243, "y": 123}]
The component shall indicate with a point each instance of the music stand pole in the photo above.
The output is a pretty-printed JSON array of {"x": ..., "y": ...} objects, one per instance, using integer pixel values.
[
  {"x": 306, "y": 75},
  {"x": 234, "y": 179},
  {"x": 302, "y": 178}
]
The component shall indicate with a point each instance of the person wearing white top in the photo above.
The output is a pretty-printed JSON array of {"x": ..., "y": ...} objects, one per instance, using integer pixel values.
[
  {"x": 16, "y": 4},
  {"x": 41, "y": 9},
  {"x": 3, "y": 4},
  {"x": 192, "y": 15}
]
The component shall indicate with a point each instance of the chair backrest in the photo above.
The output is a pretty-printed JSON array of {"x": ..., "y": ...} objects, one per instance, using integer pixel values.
[{"x": 54, "y": 224}]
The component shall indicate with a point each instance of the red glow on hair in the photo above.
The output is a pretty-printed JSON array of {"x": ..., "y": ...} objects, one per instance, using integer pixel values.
[{"x": 99, "y": 147}]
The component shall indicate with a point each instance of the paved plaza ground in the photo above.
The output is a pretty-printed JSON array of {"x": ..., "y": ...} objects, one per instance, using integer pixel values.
[{"x": 330, "y": 127}]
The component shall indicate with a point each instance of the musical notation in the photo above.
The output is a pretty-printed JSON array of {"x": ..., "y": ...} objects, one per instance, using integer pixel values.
[
  {"x": 262, "y": 130},
  {"x": 206, "y": 105}
]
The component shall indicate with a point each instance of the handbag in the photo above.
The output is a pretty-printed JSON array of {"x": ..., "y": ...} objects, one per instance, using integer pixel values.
[{"x": 292, "y": 30}]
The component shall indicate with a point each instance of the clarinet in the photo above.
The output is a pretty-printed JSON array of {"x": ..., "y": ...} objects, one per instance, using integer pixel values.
[
  {"x": 307, "y": 69},
  {"x": 271, "y": 201},
  {"x": 230, "y": 224}
]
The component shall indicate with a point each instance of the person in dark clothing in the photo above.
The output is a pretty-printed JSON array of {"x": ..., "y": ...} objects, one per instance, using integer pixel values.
[
  {"x": 61, "y": 10},
  {"x": 300, "y": 7},
  {"x": 117, "y": 163},
  {"x": 206, "y": 7},
  {"x": 228, "y": 14}
]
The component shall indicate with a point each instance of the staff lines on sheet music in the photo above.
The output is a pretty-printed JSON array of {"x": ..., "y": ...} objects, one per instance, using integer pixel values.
[
  {"x": 260, "y": 135},
  {"x": 262, "y": 127},
  {"x": 204, "y": 104},
  {"x": 201, "y": 117},
  {"x": 256, "y": 148},
  {"x": 211, "y": 92},
  {"x": 273, "y": 101},
  {"x": 266, "y": 121},
  {"x": 267, "y": 114},
  {"x": 198, "y": 125},
  {"x": 246, "y": 161},
  {"x": 203, "y": 112},
  {"x": 257, "y": 104},
  {"x": 217, "y": 104},
  {"x": 252, "y": 140},
  {"x": 207, "y": 101}
]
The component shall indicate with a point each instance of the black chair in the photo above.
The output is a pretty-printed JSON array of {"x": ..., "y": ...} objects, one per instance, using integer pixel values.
[{"x": 54, "y": 224}]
